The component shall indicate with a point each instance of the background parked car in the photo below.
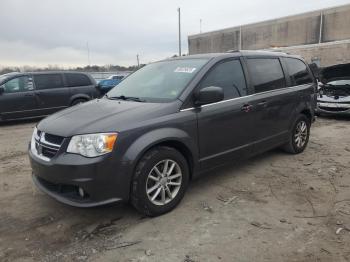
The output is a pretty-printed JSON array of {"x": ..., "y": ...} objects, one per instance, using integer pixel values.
[
  {"x": 117, "y": 77},
  {"x": 334, "y": 90},
  {"x": 26, "y": 95},
  {"x": 107, "y": 84}
]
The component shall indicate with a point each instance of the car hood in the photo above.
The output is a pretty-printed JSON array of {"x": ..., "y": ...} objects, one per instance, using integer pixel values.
[
  {"x": 103, "y": 115},
  {"x": 336, "y": 72}
]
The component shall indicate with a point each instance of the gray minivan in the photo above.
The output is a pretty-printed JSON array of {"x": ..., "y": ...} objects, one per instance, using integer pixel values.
[
  {"x": 27, "y": 95},
  {"x": 169, "y": 122}
]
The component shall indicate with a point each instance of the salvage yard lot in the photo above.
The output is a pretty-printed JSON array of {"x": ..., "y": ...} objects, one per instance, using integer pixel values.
[{"x": 276, "y": 207}]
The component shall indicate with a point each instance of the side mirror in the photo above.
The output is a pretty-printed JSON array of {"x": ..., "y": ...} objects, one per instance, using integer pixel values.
[
  {"x": 2, "y": 90},
  {"x": 208, "y": 95}
]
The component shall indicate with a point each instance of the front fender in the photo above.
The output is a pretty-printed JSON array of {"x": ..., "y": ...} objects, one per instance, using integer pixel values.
[
  {"x": 136, "y": 150},
  {"x": 154, "y": 137}
]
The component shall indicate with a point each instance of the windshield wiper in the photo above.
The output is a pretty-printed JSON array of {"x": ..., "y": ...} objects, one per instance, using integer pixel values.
[{"x": 132, "y": 98}]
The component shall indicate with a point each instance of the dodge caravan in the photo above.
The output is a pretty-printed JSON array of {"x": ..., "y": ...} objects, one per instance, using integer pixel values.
[
  {"x": 170, "y": 121},
  {"x": 37, "y": 94}
]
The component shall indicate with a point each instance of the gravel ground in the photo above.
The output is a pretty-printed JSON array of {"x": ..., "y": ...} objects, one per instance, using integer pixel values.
[{"x": 275, "y": 207}]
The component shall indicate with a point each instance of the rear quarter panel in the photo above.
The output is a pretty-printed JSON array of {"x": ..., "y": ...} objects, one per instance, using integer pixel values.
[{"x": 85, "y": 92}]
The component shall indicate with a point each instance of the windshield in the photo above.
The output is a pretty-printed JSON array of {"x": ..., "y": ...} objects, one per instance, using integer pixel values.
[
  {"x": 158, "y": 82},
  {"x": 339, "y": 83},
  {"x": 3, "y": 78}
]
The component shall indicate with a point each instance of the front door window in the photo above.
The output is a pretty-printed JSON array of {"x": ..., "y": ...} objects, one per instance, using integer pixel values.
[{"x": 19, "y": 84}]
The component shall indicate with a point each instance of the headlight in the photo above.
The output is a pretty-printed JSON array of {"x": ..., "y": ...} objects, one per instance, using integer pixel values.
[{"x": 92, "y": 145}]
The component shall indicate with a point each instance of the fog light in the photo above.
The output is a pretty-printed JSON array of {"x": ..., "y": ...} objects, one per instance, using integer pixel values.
[{"x": 81, "y": 192}]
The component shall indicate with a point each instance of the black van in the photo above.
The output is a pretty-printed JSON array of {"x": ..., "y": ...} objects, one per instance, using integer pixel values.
[
  {"x": 27, "y": 95},
  {"x": 169, "y": 122}
]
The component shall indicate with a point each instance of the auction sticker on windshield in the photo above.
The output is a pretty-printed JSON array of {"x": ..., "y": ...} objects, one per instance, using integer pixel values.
[{"x": 188, "y": 70}]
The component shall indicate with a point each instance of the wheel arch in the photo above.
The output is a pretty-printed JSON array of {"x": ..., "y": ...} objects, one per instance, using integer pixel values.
[
  {"x": 171, "y": 137},
  {"x": 307, "y": 113},
  {"x": 302, "y": 109},
  {"x": 182, "y": 148},
  {"x": 79, "y": 96}
]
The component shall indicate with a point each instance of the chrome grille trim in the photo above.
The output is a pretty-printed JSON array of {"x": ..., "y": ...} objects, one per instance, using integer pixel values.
[{"x": 41, "y": 146}]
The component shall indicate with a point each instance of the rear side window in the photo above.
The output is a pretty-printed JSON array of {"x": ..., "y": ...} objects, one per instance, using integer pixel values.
[
  {"x": 77, "y": 80},
  {"x": 229, "y": 76},
  {"x": 266, "y": 74},
  {"x": 298, "y": 71},
  {"x": 48, "y": 81}
]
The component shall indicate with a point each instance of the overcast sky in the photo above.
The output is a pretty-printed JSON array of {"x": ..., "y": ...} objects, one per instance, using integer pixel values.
[{"x": 56, "y": 32}]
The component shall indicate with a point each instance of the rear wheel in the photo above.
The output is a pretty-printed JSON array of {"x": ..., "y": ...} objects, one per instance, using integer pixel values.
[
  {"x": 299, "y": 137},
  {"x": 160, "y": 181},
  {"x": 78, "y": 101}
]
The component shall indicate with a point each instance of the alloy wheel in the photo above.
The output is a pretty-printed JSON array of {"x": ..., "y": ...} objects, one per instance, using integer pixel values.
[
  {"x": 300, "y": 135},
  {"x": 164, "y": 182}
]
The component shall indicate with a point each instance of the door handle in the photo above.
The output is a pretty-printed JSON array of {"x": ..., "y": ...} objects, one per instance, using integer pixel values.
[
  {"x": 262, "y": 103},
  {"x": 247, "y": 108},
  {"x": 28, "y": 94}
]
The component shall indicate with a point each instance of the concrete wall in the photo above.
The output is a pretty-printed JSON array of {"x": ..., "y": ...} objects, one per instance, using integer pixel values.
[
  {"x": 336, "y": 24},
  {"x": 215, "y": 42},
  {"x": 282, "y": 32},
  {"x": 325, "y": 54},
  {"x": 310, "y": 28}
]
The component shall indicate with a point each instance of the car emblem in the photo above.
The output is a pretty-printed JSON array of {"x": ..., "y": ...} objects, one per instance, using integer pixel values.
[{"x": 336, "y": 97}]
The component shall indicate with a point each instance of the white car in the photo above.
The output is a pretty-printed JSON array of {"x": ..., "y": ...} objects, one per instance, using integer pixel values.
[{"x": 334, "y": 91}]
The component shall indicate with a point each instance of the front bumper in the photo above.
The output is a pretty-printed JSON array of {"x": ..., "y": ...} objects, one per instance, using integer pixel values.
[
  {"x": 103, "y": 179},
  {"x": 70, "y": 197},
  {"x": 332, "y": 108}
]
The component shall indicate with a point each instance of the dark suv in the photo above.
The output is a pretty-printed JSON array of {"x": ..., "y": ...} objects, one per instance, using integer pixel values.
[
  {"x": 169, "y": 122},
  {"x": 26, "y": 95}
]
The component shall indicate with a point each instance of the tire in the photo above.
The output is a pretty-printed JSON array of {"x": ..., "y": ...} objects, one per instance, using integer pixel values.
[
  {"x": 301, "y": 130},
  {"x": 147, "y": 182},
  {"x": 78, "y": 101}
]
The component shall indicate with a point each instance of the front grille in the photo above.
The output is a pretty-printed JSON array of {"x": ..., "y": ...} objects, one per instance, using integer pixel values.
[
  {"x": 46, "y": 151},
  {"x": 47, "y": 145},
  {"x": 53, "y": 139},
  {"x": 335, "y": 91},
  {"x": 334, "y": 109}
]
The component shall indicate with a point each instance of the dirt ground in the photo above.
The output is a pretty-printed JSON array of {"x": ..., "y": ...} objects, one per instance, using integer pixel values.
[{"x": 275, "y": 207}]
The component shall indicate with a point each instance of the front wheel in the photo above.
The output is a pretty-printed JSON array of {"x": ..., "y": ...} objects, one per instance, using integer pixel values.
[
  {"x": 299, "y": 137},
  {"x": 160, "y": 181}
]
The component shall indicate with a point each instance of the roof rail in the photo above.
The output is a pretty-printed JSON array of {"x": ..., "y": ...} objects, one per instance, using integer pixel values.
[{"x": 232, "y": 51}]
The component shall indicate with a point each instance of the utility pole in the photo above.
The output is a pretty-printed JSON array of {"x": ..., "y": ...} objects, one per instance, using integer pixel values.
[
  {"x": 138, "y": 61},
  {"x": 179, "y": 30},
  {"x": 88, "y": 52},
  {"x": 200, "y": 25}
]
